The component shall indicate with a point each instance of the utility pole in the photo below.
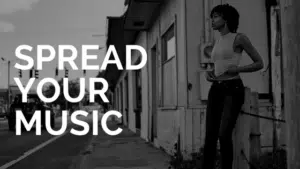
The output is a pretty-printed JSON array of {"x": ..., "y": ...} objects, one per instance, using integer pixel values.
[
  {"x": 67, "y": 76},
  {"x": 8, "y": 84},
  {"x": 291, "y": 48},
  {"x": 8, "y": 81}
]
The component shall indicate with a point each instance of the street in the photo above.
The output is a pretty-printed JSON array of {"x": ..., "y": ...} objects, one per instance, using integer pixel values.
[{"x": 45, "y": 151}]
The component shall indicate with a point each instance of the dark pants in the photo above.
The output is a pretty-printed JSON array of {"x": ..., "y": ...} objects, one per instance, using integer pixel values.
[{"x": 225, "y": 100}]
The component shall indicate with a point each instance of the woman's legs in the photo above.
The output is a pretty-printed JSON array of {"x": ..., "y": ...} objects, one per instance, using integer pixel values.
[
  {"x": 232, "y": 107},
  {"x": 213, "y": 119}
]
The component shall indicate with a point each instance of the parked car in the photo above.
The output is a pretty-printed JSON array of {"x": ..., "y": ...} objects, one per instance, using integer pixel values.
[
  {"x": 2, "y": 112},
  {"x": 28, "y": 110}
]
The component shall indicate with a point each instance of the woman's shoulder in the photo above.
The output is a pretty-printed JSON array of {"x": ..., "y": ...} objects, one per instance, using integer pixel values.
[
  {"x": 241, "y": 38},
  {"x": 242, "y": 35}
]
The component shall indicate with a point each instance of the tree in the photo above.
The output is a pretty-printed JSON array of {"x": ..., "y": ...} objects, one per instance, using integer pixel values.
[
  {"x": 74, "y": 90},
  {"x": 99, "y": 86}
]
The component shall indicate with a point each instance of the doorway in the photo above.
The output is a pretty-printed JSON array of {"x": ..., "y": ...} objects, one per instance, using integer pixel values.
[
  {"x": 138, "y": 97},
  {"x": 153, "y": 88},
  {"x": 126, "y": 100}
]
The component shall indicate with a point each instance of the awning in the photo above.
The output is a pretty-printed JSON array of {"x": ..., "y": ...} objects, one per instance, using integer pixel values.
[
  {"x": 123, "y": 30},
  {"x": 140, "y": 14},
  {"x": 115, "y": 36}
]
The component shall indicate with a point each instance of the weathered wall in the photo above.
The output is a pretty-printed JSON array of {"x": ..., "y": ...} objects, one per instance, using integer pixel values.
[
  {"x": 141, "y": 41},
  {"x": 291, "y": 48},
  {"x": 168, "y": 128},
  {"x": 194, "y": 31},
  {"x": 168, "y": 120},
  {"x": 188, "y": 117},
  {"x": 131, "y": 107}
]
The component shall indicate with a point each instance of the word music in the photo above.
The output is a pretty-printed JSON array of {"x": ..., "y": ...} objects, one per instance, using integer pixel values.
[{"x": 36, "y": 119}]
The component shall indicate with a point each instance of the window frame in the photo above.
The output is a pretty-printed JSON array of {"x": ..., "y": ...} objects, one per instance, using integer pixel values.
[{"x": 168, "y": 33}]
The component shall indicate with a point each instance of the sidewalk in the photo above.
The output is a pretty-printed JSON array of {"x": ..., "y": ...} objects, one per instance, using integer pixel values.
[{"x": 126, "y": 150}]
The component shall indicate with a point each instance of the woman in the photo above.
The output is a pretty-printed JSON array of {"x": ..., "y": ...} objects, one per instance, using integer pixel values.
[{"x": 226, "y": 95}]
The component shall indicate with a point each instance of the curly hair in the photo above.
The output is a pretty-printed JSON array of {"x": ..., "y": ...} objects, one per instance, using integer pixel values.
[{"x": 229, "y": 14}]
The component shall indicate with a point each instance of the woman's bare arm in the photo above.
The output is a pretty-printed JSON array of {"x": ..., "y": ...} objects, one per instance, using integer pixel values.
[{"x": 244, "y": 42}]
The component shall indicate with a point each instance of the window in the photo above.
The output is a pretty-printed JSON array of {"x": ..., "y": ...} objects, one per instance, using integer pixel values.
[
  {"x": 169, "y": 44},
  {"x": 169, "y": 77},
  {"x": 171, "y": 48}
]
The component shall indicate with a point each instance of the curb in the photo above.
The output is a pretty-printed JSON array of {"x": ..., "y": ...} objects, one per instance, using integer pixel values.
[
  {"x": 85, "y": 154},
  {"x": 80, "y": 161}
]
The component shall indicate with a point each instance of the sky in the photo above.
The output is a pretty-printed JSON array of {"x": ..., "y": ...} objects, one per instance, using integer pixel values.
[{"x": 53, "y": 22}]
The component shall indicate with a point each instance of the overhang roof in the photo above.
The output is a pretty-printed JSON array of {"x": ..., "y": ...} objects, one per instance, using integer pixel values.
[
  {"x": 123, "y": 30},
  {"x": 140, "y": 14},
  {"x": 114, "y": 36}
]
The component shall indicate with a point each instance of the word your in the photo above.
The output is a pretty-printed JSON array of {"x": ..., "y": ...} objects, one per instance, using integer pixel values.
[
  {"x": 62, "y": 58},
  {"x": 39, "y": 90},
  {"x": 37, "y": 120}
]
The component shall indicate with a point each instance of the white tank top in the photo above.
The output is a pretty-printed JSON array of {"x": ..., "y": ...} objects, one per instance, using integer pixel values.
[{"x": 223, "y": 55}]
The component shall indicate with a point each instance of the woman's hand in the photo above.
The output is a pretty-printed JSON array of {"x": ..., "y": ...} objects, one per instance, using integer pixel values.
[
  {"x": 244, "y": 42},
  {"x": 233, "y": 70},
  {"x": 207, "y": 51},
  {"x": 210, "y": 76}
]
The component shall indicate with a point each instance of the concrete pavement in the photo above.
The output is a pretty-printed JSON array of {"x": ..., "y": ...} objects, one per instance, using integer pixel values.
[
  {"x": 126, "y": 150},
  {"x": 33, "y": 151}
]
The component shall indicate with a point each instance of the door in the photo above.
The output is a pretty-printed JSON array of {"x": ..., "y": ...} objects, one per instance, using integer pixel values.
[
  {"x": 138, "y": 109},
  {"x": 121, "y": 102},
  {"x": 154, "y": 93},
  {"x": 126, "y": 100}
]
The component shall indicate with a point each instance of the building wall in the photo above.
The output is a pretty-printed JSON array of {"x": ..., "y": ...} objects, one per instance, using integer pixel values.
[
  {"x": 291, "y": 48},
  {"x": 125, "y": 99},
  {"x": 186, "y": 121},
  {"x": 131, "y": 93},
  {"x": 119, "y": 100},
  {"x": 169, "y": 118},
  {"x": 194, "y": 26},
  {"x": 142, "y": 41}
]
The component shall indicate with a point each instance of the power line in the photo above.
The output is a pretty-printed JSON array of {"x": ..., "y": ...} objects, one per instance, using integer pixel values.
[{"x": 98, "y": 35}]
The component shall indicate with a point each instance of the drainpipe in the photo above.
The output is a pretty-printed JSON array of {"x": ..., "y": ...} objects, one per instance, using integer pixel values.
[
  {"x": 185, "y": 47},
  {"x": 207, "y": 28},
  {"x": 203, "y": 38}
]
